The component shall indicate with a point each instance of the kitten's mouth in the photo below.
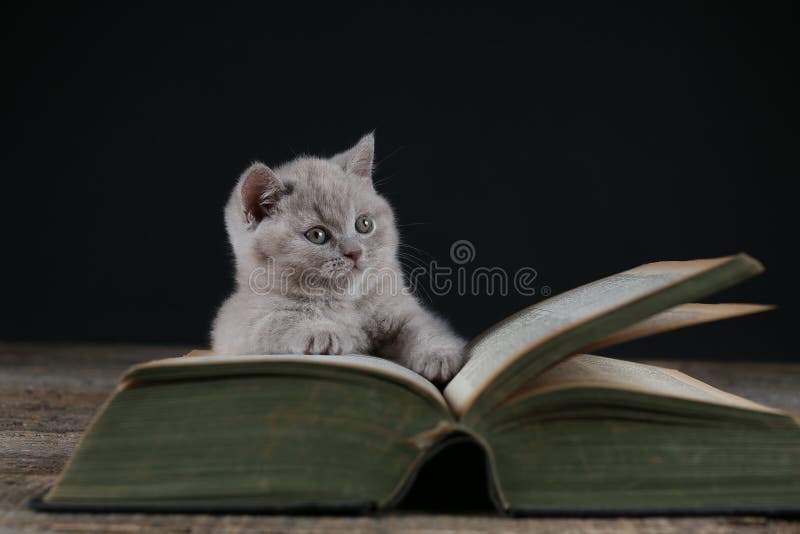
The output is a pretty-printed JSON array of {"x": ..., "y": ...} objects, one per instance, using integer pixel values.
[
  {"x": 343, "y": 268},
  {"x": 348, "y": 270}
]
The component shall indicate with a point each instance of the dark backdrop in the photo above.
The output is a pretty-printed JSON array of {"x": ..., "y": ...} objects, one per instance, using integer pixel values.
[{"x": 579, "y": 142}]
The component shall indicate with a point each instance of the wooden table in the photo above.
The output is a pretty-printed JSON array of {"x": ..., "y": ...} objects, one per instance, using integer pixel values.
[{"x": 48, "y": 394}]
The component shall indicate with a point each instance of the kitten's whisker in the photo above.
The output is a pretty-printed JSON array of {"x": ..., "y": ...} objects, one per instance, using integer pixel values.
[
  {"x": 421, "y": 276},
  {"x": 415, "y": 263},
  {"x": 421, "y": 251},
  {"x": 429, "y": 257},
  {"x": 417, "y": 287},
  {"x": 384, "y": 179},
  {"x": 390, "y": 154},
  {"x": 410, "y": 257}
]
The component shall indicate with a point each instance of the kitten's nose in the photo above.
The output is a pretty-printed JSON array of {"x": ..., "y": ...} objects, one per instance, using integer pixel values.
[{"x": 353, "y": 252}]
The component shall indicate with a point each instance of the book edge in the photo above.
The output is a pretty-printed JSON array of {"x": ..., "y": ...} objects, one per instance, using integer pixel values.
[{"x": 755, "y": 268}]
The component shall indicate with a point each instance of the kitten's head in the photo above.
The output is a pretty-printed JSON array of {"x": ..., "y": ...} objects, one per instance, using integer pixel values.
[{"x": 312, "y": 222}]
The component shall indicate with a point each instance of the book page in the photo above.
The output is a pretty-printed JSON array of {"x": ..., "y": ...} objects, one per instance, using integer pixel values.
[
  {"x": 368, "y": 364},
  {"x": 511, "y": 339},
  {"x": 586, "y": 370},
  {"x": 678, "y": 317}
]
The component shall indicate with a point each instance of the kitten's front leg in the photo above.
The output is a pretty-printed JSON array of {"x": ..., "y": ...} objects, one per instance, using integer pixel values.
[
  {"x": 268, "y": 327},
  {"x": 422, "y": 341},
  {"x": 279, "y": 331}
]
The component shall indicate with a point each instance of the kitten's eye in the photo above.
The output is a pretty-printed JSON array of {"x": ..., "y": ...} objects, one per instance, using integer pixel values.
[
  {"x": 364, "y": 224},
  {"x": 317, "y": 235}
]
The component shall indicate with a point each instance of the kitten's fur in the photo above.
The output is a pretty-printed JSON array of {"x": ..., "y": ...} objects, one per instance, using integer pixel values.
[{"x": 267, "y": 216}]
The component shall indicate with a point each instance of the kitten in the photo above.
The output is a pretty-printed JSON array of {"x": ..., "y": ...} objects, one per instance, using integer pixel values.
[{"x": 317, "y": 269}]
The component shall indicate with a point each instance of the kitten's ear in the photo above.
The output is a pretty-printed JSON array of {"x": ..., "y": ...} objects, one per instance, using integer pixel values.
[
  {"x": 260, "y": 191},
  {"x": 358, "y": 160}
]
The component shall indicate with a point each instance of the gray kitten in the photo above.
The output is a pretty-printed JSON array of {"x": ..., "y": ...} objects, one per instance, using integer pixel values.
[{"x": 317, "y": 269}]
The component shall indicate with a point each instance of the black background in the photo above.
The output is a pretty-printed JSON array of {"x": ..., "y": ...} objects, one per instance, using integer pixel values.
[{"x": 579, "y": 142}]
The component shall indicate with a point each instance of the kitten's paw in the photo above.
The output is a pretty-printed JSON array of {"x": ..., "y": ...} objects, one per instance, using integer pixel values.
[
  {"x": 320, "y": 341},
  {"x": 323, "y": 342},
  {"x": 438, "y": 365}
]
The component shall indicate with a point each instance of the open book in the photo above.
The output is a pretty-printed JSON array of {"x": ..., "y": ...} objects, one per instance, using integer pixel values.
[{"x": 562, "y": 431}]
